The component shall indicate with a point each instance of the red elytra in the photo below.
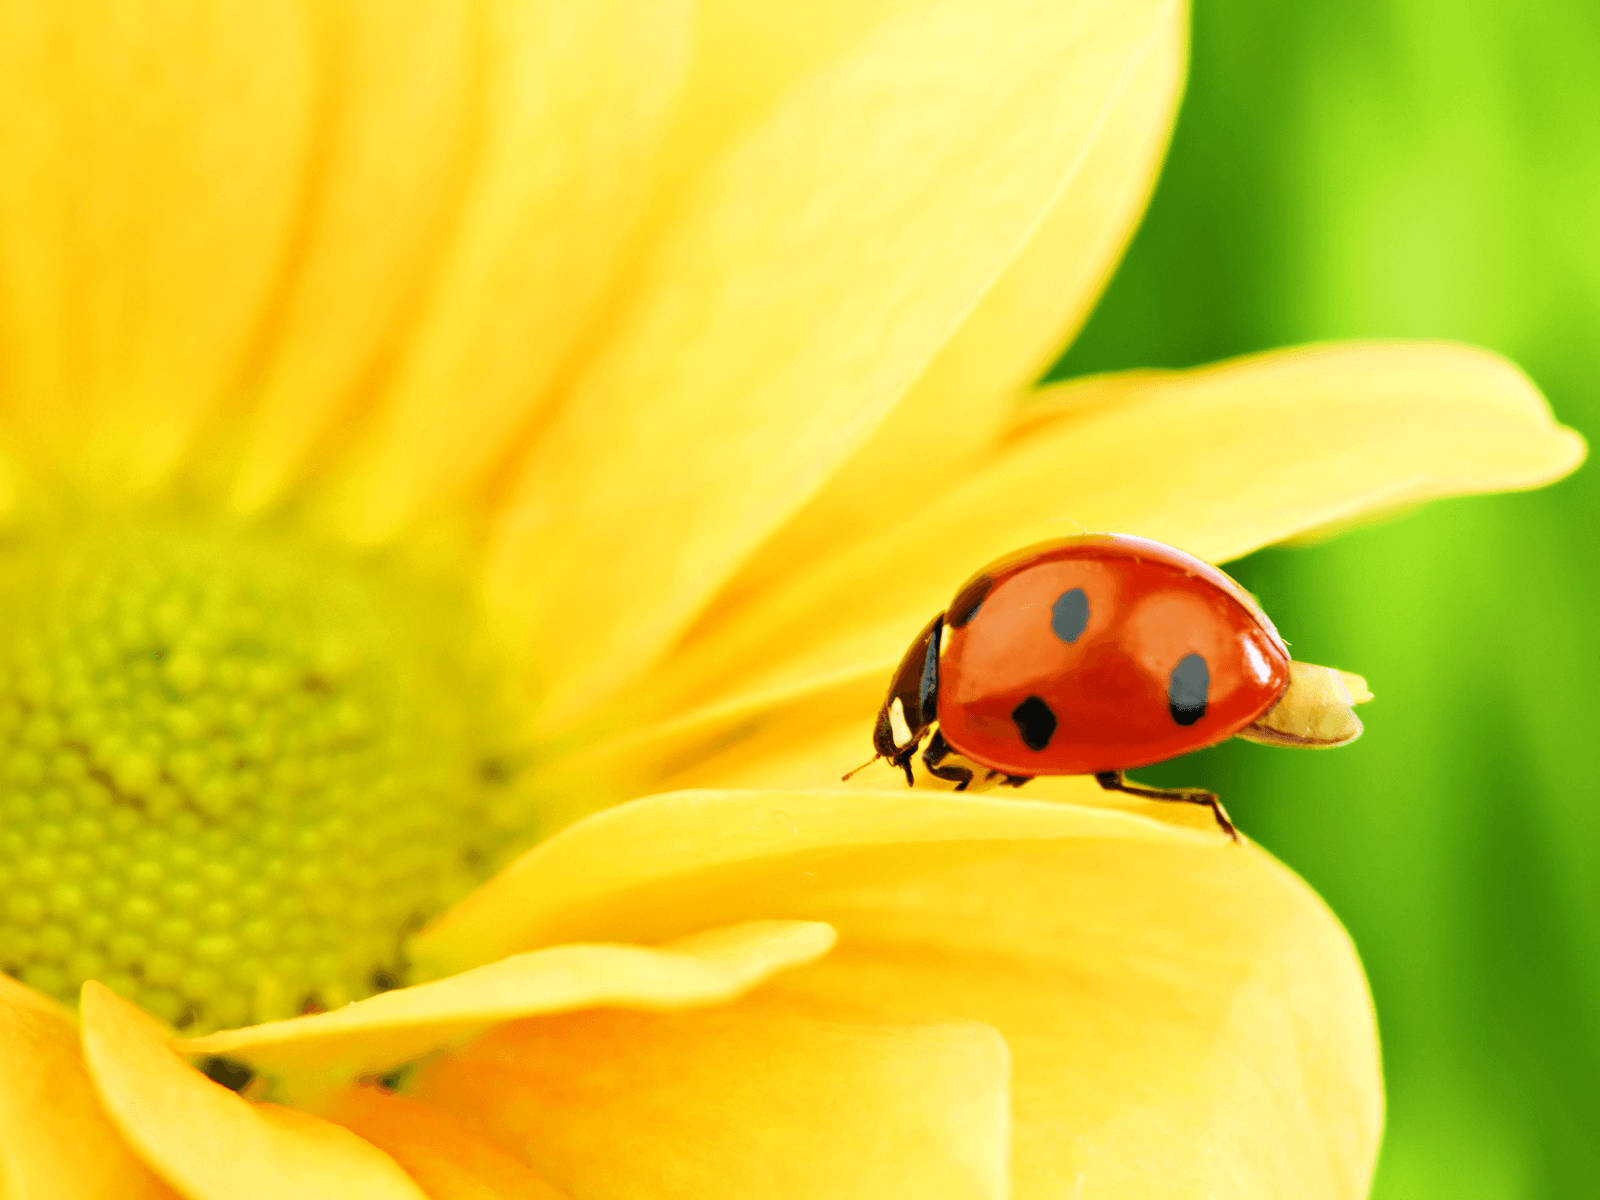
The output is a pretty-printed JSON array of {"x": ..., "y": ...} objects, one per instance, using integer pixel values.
[
  {"x": 1166, "y": 655},
  {"x": 1089, "y": 655}
]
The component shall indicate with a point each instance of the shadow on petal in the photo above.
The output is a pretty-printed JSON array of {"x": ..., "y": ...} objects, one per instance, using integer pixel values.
[
  {"x": 449, "y": 1158},
  {"x": 752, "y": 1100}
]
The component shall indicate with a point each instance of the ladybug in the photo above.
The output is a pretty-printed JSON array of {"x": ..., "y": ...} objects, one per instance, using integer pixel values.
[{"x": 1097, "y": 654}]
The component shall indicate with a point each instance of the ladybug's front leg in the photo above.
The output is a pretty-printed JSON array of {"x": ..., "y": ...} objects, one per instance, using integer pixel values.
[
  {"x": 883, "y": 740},
  {"x": 932, "y": 758},
  {"x": 1113, "y": 781}
]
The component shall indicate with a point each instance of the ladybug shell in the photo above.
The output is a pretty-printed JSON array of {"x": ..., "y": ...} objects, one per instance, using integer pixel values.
[{"x": 1102, "y": 653}]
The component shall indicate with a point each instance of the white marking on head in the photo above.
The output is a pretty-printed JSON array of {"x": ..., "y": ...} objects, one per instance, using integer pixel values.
[{"x": 898, "y": 725}]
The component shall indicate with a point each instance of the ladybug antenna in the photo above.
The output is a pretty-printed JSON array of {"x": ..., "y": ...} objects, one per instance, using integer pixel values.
[{"x": 862, "y": 767}]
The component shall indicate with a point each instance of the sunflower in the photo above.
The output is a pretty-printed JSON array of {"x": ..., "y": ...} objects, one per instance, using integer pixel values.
[{"x": 466, "y": 472}]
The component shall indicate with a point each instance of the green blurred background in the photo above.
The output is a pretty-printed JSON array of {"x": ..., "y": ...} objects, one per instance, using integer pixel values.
[{"x": 1420, "y": 168}]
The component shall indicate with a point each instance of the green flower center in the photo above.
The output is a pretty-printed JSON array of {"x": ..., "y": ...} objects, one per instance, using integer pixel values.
[{"x": 237, "y": 768}]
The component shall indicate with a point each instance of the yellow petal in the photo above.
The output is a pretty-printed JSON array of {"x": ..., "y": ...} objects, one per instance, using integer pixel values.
[
  {"x": 1220, "y": 461},
  {"x": 152, "y": 169},
  {"x": 945, "y": 424},
  {"x": 374, "y": 1035},
  {"x": 756, "y": 740},
  {"x": 10, "y": 486},
  {"x": 1185, "y": 1017},
  {"x": 394, "y": 119},
  {"x": 747, "y": 56},
  {"x": 573, "y": 100},
  {"x": 206, "y": 1141},
  {"x": 1042, "y": 299},
  {"x": 55, "y": 1140},
  {"x": 448, "y": 1158},
  {"x": 608, "y": 862},
  {"x": 750, "y": 1100},
  {"x": 1183, "y": 1022},
  {"x": 804, "y": 284}
]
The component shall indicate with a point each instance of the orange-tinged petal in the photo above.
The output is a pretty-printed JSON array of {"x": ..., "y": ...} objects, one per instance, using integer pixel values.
[
  {"x": 448, "y": 1158},
  {"x": 752, "y": 1100},
  {"x": 572, "y": 110},
  {"x": 55, "y": 1140},
  {"x": 945, "y": 424},
  {"x": 152, "y": 168},
  {"x": 805, "y": 282},
  {"x": 1185, "y": 1017},
  {"x": 386, "y": 1030},
  {"x": 209, "y": 1143},
  {"x": 1220, "y": 461}
]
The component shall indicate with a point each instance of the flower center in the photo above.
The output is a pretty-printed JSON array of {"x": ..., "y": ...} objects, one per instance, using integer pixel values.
[{"x": 237, "y": 768}]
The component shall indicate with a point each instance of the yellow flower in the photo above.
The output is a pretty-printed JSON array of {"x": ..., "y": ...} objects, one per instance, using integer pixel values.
[{"x": 426, "y": 425}]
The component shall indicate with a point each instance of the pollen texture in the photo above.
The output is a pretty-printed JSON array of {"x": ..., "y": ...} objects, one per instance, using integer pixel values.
[{"x": 237, "y": 769}]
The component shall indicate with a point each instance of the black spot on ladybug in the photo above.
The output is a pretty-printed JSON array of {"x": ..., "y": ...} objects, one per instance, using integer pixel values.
[
  {"x": 965, "y": 606},
  {"x": 1069, "y": 615},
  {"x": 1035, "y": 722},
  {"x": 1186, "y": 689}
]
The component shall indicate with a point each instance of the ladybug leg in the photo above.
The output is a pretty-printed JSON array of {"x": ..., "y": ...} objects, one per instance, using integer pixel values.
[
  {"x": 932, "y": 758},
  {"x": 1113, "y": 781},
  {"x": 902, "y": 759},
  {"x": 1011, "y": 781},
  {"x": 883, "y": 742}
]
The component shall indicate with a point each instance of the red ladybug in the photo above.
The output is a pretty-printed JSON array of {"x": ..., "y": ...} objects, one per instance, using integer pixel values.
[{"x": 1093, "y": 655}]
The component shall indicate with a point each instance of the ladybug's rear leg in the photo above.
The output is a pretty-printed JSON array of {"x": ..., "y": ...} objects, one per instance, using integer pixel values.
[
  {"x": 1113, "y": 781},
  {"x": 933, "y": 759},
  {"x": 1004, "y": 780}
]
